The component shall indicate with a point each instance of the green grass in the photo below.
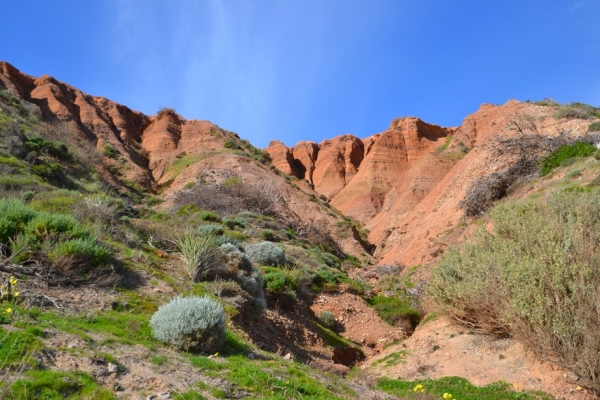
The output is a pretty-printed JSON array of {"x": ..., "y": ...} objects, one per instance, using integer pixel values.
[
  {"x": 182, "y": 163},
  {"x": 16, "y": 347},
  {"x": 392, "y": 359},
  {"x": 117, "y": 327},
  {"x": 53, "y": 385},
  {"x": 394, "y": 309},
  {"x": 459, "y": 388}
]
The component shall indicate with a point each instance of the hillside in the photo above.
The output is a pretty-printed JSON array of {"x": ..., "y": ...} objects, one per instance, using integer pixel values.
[{"x": 320, "y": 254}]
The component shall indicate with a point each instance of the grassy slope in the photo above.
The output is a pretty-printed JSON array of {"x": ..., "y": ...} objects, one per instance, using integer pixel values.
[{"x": 136, "y": 235}]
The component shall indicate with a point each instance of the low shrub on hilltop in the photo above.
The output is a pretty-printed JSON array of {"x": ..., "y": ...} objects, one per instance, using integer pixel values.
[{"x": 535, "y": 277}]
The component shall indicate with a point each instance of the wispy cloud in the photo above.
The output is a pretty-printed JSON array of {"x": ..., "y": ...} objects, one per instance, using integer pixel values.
[{"x": 577, "y": 5}]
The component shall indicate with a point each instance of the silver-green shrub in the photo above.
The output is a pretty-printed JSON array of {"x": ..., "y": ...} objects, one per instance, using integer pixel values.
[
  {"x": 250, "y": 280},
  {"x": 535, "y": 277},
  {"x": 191, "y": 323},
  {"x": 266, "y": 253}
]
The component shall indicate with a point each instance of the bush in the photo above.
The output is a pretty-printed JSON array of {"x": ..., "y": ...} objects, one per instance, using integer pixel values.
[
  {"x": 210, "y": 229},
  {"x": 191, "y": 324},
  {"x": 594, "y": 127},
  {"x": 563, "y": 153},
  {"x": 279, "y": 281},
  {"x": 233, "y": 223},
  {"x": 83, "y": 249},
  {"x": 269, "y": 235},
  {"x": 327, "y": 319},
  {"x": 396, "y": 310},
  {"x": 266, "y": 253},
  {"x": 210, "y": 216},
  {"x": 230, "y": 144},
  {"x": 534, "y": 278},
  {"x": 227, "y": 240}
]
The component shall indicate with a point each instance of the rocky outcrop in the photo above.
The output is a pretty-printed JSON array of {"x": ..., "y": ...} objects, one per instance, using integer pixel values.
[
  {"x": 282, "y": 158},
  {"x": 337, "y": 163},
  {"x": 146, "y": 144},
  {"x": 355, "y": 174}
]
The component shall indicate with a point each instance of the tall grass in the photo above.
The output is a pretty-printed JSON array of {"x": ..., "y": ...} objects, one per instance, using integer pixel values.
[{"x": 197, "y": 253}]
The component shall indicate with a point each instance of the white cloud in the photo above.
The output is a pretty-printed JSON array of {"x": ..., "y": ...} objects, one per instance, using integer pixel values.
[{"x": 577, "y": 5}]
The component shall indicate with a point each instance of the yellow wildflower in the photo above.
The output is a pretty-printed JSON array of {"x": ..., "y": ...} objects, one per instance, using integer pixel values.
[
  {"x": 16, "y": 294},
  {"x": 8, "y": 310},
  {"x": 447, "y": 396},
  {"x": 419, "y": 388}
]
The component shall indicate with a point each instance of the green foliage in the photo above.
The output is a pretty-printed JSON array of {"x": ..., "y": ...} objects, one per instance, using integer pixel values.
[
  {"x": 210, "y": 216},
  {"x": 563, "y": 153},
  {"x": 56, "y": 149},
  {"x": 327, "y": 319},
  {"x": 210, "y": 229},
  {"x": 86, "y": 249},
  {"x": 110, "y": 152},
  {"x": 190, "y": 324},
  {"x": 594, "y": 127},
  {"x": 279, "y": 281},
  {"x": 227, "y": 240},
  {"x": 266, "y": 253},
  {"x": 154, "y": 201},
  {"x": 269, "y": 235},
  {"x": 59, "y": 201},
  {"x": 459, "y": 388},
  {"x": 577, "y": 110},
  {"x": 230, "y": 144},
  {"x": 188, "y": 209},
  {"x": 395, "y": 309},
  {"x": 233, "y": 223},
  {"x": 55, "y": 385},
  {"x": 534, "y": 277},
  {"x": 197, "y": 254},
  {"x": 16, "y": 347}
]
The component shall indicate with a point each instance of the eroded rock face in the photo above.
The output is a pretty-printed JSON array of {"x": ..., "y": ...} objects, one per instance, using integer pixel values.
[
  {"x": 337, "y": 163},
  {"x": 282, "y": 157},
  {"x": 305, "y": 157},
  {"x": 147, "y": 144}
]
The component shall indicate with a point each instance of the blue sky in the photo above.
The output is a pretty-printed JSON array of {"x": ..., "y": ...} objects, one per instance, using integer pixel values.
[{"x": 311, "y": 69}]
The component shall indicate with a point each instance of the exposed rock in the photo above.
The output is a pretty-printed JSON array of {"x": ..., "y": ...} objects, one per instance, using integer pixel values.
[
  {"x": 337, "y": 163},
  {"x": 305, "y": 157},
  {"x": 282, "y": 157}
]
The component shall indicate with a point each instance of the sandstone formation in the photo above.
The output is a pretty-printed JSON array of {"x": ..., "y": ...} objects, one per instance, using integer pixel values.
[{"x": 147, "y": 145}]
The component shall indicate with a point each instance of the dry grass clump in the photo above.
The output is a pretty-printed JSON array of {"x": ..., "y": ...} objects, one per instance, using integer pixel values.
[{"x": 536, "y": 278}]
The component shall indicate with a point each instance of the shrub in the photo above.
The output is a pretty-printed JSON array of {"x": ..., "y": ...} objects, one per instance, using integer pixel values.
[
  {"x": 396, "y": 310},
  {"x": 197, "y": 253},
  {"x": 227, "y": 240},
  {"x": 83, "y": 249},
  {"x": 594, "y": 127},
  {"x": 279, "y": 281},
  {"x": 237, "y": 222},
  {"x": 191, "y": 324},
  {"x": 210, "y": 216},
  {"x": 188, "y": 209},
  {"x": 266, "y": 253},
  {"x": 47, "y": 225},
  {"x": 563, "y": 153},
  {"x": 535, "y": 278},
  {"x": 210, "y": 229},
  {"x": 110, "y": 152},
  {"x": 269, "y": 235},
  {"x": 327, "y": 319},
  {"x": 230, "y": 144}
]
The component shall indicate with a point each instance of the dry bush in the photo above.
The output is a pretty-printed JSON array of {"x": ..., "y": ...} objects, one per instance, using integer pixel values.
[
  {"x": 233, "y": 196},
  {"x": 523, "y": 149},
  {"x": 536, "y": 278}
]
